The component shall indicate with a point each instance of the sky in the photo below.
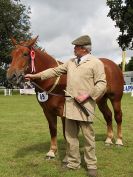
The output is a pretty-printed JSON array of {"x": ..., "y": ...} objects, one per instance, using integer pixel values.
[{"x": 59, "y": 22}]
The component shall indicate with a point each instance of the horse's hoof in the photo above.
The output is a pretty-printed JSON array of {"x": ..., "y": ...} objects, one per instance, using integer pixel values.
[
  {"x": 50, "y": 155},
  {"x": 119, "y": 143},
  {"x": 108, "y": 142}
]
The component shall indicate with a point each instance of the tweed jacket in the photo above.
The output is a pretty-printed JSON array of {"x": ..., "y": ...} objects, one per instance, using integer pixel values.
[{"x": 86, "y": 77}]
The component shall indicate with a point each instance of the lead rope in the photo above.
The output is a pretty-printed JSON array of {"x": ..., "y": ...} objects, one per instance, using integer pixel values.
[
  {"x": 32, "y": 54},
  {"x": 54, "y": 94}
]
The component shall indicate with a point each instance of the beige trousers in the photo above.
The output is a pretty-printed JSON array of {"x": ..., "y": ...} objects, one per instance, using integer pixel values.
[{"x": 72, "y": 128}]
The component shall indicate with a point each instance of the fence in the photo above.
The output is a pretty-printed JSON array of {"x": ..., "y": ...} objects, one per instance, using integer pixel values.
[
  {"x": 128, "y": 88},
  {"x": 10, "y": 92}
]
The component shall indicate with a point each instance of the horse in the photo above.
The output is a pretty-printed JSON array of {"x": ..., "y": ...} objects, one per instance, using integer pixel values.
[{"x": 26, "y": 59}]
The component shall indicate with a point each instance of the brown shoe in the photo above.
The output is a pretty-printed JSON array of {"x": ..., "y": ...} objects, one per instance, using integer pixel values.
[{"x": 92, "y": 172}]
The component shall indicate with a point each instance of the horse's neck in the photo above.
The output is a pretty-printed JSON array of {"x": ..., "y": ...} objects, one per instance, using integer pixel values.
[{"x": 44, "y": 61}]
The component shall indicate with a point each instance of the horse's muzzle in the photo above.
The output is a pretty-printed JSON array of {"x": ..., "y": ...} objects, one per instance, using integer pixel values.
[{"x": 16, "y": 79}]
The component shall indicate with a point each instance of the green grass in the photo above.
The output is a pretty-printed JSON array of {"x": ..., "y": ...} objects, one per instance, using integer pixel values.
[{"x": 25, "y": 139}]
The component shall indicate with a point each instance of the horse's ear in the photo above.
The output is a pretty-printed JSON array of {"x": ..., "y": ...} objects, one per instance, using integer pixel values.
[
  {"x": 14, "y": 42},
  {"x": 32, "y": 42}
]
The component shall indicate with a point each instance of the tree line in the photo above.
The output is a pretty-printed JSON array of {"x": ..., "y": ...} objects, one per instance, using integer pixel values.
[
  {"x": 121, "y": 12},
  {"x": 128, "y": 66},
  {"x": 15, "y": 21}
]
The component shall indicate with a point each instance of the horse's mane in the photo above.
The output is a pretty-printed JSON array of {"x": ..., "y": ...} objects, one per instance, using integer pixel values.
[{"x": 44, "y": 52}]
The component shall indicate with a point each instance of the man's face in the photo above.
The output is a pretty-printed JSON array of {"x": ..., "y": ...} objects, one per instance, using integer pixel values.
[{"x": 79, "y": 51}]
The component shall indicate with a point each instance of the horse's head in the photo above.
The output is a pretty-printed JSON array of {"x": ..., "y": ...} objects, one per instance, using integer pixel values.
[{"x": 21, "y": 57}]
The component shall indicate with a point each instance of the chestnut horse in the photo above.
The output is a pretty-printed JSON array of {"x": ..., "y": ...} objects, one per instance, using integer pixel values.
[{"x": 53, "y": 107}]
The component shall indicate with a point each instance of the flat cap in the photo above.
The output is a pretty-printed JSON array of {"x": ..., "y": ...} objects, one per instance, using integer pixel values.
[{"x": 82, "y": 40}]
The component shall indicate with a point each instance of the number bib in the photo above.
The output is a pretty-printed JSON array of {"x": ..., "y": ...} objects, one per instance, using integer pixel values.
[{"x": 42, "y": 97}]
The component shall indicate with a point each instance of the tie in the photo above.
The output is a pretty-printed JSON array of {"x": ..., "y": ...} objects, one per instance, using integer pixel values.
[{"x": 78, "y": 61}]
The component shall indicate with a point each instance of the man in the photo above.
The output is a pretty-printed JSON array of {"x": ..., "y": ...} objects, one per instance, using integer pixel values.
[{"x": 86, "y": 83}]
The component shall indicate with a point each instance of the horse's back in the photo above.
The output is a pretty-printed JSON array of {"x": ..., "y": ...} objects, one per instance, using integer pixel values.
[{"x": 114, "y": 77}]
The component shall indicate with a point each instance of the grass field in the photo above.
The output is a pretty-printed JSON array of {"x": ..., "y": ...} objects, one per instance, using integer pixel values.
[{"x": 24, "y": 141}]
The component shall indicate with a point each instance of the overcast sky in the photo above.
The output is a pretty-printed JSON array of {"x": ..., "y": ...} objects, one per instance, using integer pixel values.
[{"x": 59, "y": 22}]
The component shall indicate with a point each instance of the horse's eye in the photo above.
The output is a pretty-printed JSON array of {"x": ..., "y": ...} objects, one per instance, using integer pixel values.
[{"x": 25, "y": 54}]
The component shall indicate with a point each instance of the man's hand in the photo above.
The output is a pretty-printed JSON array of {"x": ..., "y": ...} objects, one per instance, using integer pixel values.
[
  {"x": 30, "y": 76},
  {"x": 82, "y": 97}
]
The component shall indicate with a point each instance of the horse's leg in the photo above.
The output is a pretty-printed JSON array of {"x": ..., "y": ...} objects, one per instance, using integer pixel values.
[
  {"x": 63, "y": 125},
  {"x": 102, "y": 104},
  {"x": 52, "y": 121},
  {"x": 118, "y": 117}
]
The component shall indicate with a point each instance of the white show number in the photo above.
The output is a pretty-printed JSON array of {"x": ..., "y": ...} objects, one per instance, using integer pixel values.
[{"x": 42, "y": 97}]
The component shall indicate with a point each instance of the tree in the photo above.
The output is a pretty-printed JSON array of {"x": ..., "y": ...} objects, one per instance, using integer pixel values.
[
  {"x": 130, "y": 65},
  {"x": 121, "y": 11},
  {"x": 14, "y": 22}
]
